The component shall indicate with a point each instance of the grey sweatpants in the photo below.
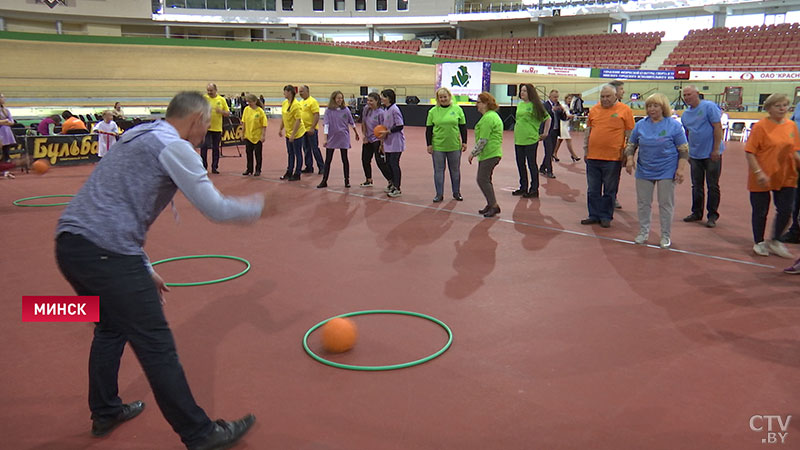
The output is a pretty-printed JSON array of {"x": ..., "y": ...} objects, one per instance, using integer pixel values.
[{"x": 666, "y": 203}]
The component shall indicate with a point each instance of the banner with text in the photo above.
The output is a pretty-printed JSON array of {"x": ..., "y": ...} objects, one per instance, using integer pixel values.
[
  {"x": 464, "y": 78},
  {"x": 630, "y": 74},
  {"x": 581, "y": 72},
  {"x": 67, "y": 149},
  {"x": 232, "y": 133},
  {"x": 745, "y": 76}
]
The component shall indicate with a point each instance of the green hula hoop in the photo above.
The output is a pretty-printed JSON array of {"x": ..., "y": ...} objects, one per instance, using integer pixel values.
[
  {"x": 203, "y": 283},
  {"x": 378, "y": 368},
  {"x": 19, "y": 202}
]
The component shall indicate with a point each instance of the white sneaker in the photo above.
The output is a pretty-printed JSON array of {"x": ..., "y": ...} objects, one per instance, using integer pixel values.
[
  {"x": 388, "y": 188},
  {"x": 760, "y": 249},
  {"x": 395, "y": 193},
  {"x": 777, "y": 247},
  {"x": 641, "y": 238},
  {"x": 665, "y": 242}
]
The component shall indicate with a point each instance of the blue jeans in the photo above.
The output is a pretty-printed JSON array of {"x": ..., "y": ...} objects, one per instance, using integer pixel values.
[
  {"x": 453, "y": 162},
  {"x": 295, "y": 151},
  {"x": 602, "y": 179},
  {"x": 311, "y": 150},
  {"x": 130, "y": 312}
]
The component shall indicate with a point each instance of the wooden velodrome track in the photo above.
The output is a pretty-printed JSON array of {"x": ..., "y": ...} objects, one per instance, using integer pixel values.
[
  {"x": 36, "y": 69},
  {"x": 566, "y": 336}
]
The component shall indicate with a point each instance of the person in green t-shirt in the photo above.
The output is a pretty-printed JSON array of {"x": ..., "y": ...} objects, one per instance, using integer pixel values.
[
  {"x": 488, "y": 149},
  {"x": 446, "y": 135},
  {"x": 530, "y": 115}
]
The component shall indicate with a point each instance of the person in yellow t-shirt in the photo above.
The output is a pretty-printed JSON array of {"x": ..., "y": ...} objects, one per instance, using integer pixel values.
[
  {"x": 607, "y": 129},
  {"x": 292, "y": 122},
  {"x": 254, "y": 131},
  {"x": 219, "y": 109},
  {"x": 310, "y": 117}
]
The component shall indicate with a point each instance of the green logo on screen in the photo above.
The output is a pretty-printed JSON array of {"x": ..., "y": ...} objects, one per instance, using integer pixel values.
[
  {"x": 461, "y": 78},
  {"x": 53, "y": 3}
]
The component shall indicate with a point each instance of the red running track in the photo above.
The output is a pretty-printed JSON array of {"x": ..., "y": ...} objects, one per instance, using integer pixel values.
[{"x": 566, "y": 336}]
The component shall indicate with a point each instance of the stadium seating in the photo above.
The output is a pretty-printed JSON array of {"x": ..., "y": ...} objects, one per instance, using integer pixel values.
[
  {"x": 757, "y": 48},
  {"x": 615, "y": 51},
  {"x": 407, "y": 47}
]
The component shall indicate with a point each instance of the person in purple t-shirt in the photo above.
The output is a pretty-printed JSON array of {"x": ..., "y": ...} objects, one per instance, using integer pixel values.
[
  {"x": 394, "y": 140},
  {"x": 7, "y": 139},
  {"x": 371, "y": 117},
  {"x": 337, "y": 123},
  {"x": 48, "y": 125}
]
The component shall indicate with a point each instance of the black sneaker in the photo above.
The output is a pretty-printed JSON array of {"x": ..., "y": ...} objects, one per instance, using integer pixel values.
[
  {"x": 519, "y": 192},
  {"x": 531, "y": 194},
  {"x": 692, "y": 218},
  {"x": 129, "y": 411}
]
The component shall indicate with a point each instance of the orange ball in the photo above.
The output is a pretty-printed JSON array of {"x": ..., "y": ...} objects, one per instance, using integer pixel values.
[
  {"x": 379, "y": 130},
  {"x": 339, "y": 335},
  {"x": 40, "y": 166}
]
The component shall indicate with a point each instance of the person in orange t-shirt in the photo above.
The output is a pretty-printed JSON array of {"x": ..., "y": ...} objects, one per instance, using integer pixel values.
[
  {"x": 608, "y": 127},
  {"x": 772, "y": 155},
  {"x": 72, "y": 124}
]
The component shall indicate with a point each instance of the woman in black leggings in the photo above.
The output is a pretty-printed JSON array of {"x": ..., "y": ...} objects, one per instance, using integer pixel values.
[{"x": 370, "y": 118}]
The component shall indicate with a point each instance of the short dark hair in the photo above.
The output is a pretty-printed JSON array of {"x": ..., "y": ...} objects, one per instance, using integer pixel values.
[
  {"x": 66, "y": 115},
  {"x": 389, "y": 93}
]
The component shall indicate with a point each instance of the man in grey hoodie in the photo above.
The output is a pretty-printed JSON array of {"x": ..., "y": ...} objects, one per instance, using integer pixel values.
[{"x": 99, "y": 249}]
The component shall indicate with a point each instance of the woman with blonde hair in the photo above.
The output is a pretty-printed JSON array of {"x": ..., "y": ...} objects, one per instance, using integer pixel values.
[
  {"x": 336, "y": 126},
  {"x": 254, "y": 131},
  {"x": 488, "y": 148},
  {"x": 772, "y": 156},
  {"x": 295, "y": 130},
  {"x": 446, "y": 136},
  {"x": 660, "y": 162}
]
